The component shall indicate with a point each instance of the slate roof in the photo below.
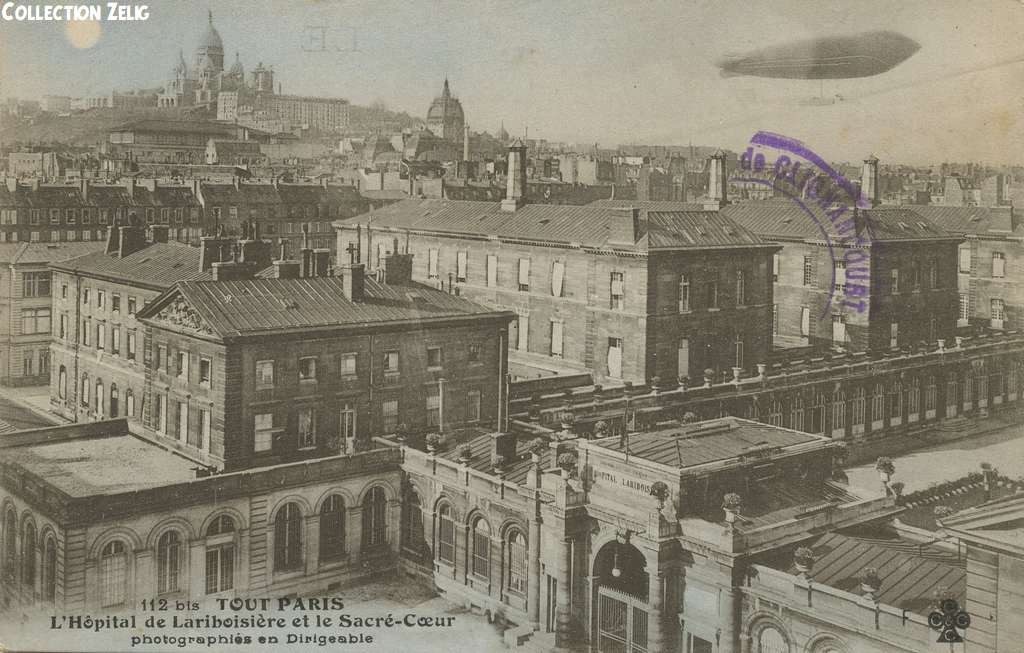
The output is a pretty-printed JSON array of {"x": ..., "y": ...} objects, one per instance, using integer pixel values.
[
  {"x": 29, "y": 253},
  {"x": 650, "y": 205},
  {"x": 263, "y": 306},
  {"x": 157, "y": 266},
  {"x": 970, "y": 219},
  {"x": 515, "y": 471},
  {"x": 911, "y": 572},
  {"x": 783, "y": 218},
  {"x": 84, "y": 467},
  {"x": 711, "y": 441},
  {"x": 54, "y": 196},
  {"x": 218, "y": 194},
  {"x": 587, "y": 225},
  {"x": 696, "y": 229},
  {"x": 179, "y": 126}
]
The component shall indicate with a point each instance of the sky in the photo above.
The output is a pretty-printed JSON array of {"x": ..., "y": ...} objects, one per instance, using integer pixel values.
[{"x": 589, "y": 71}]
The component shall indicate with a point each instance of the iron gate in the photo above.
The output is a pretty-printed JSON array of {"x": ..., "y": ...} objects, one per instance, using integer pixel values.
[{"x": 621, "y": 622}]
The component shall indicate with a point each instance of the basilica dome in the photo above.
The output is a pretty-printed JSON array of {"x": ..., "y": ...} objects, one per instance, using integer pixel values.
[
  {"x": 211, "y": 37},
  {"x": 445, "y": 118}
]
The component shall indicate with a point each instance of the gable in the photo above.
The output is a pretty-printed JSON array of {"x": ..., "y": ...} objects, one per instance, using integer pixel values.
[{"x": 176, "y": 313}]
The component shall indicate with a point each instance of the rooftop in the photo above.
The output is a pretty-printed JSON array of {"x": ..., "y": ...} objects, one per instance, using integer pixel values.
[
  {"x": 592, "y": 226},
  {"x": 48, "y": 196},
  {"x": 971, "y": 219},
  {"x": 84, "y": 467},
  {"x": 720, "y": 440},
  {"x": 38, "y": 253},
  {"x": 157, "y": 266},
  {"x": 261, "y": 306}
]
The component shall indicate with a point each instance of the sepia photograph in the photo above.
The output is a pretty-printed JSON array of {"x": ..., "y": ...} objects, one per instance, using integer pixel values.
[{"x": 603, "y": 326}]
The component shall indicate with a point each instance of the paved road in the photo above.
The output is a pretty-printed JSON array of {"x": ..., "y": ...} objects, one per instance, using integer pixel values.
[
  {"x": 14, "y": 416},
  {"x": 950, "y": 460}
]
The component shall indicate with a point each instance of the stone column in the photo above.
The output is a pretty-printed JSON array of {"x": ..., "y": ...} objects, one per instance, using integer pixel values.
[
  {"x": 196, "y": 569},
  {"x": 656, "y": 636},
  {"x": 729, "y": 626},
  {"x": 354, "y": 533},
  {"x": 563, "y": 617},
  {"x": 533, "y": 575},
  {"x": 311, "y": 543}
]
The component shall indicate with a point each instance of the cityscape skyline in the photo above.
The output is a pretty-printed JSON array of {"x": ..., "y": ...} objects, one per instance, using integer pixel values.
[{"x": 602, "y": 69}]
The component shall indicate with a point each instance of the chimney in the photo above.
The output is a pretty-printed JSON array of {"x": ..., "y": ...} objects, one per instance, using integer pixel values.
[
  {"x": 83, "y": 186},
  {"x": 465, "y": 147},
  {"x": 113, "y": 238},
  {"x": 211, "y": 250},
  {"x": 325, "y": 181},
  {"x": 131, "y": 239},
  {"x": 158, "y": 233},
  {"x": 284, "y": 269},
  {"x": 504, "y": 445},
  {"x": 353, "y": 277},
  {"x": 321, "y": 262},
  {"x": 869, "y": 181},
  {"x": 515, "y": 193},
  {"x": 230, "y": 271},
  {"x": 717, "y": 193}
]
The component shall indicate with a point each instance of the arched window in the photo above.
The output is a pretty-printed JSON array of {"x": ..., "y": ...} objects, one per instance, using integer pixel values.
[
  {"x": 168, "y": 562},
  {"x": 412, "y": 525},
  {"x": 85, "y": 390},
  {"x": 332, "y": 528},
  {"x": 10, "y": 544},
  {"x": 859, "y": 407},
  {"x": 113, "y": 574},
  {"x": 62, "y": 383},
  {"x": 115, "y": 400},
  {"x": 446, "y": 535},
  {"x": 28, "y": 555},
  {"x": 878, "y": 403},
  {"x": 771, "y": 641},
  {"x": 50, "y": 570},
  {"x": 288, "y": 538},
  {"x": 515, "y": 560},
  {"x": 896, "y": 400},
  {"x": 129, "y": 402},
  {"x": 375, "y": 518},
  {"x": 796, "y": 414},
  {"x": 775, "y": 412},
  {"x": 220, "y": 555},
  {"x": 481, "y": 562},
  {"x": 99, "y": 397}
]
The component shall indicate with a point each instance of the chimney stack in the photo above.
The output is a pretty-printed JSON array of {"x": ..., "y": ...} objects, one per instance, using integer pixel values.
[
  {"x": 869, "y": 181},
  {"x": 84, "y": 188},
  {"x": 211, "y": 249},
  {"x": 158, "y": 233},
  {"x": 717, "y": 183},
  {"x": 515, "y": 194},
  {"x": 465, "y": 147},
  {"x": 131, "y": 238},
  {"x": 504, "y": 445},
  {"x": 353, "y": 281}
]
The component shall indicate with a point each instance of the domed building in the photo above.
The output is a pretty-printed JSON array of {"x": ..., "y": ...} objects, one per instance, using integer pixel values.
[
  {"x": 445, "y": 118},
  {"x": 210, "y": 45},
  {"x": 201, "y": 83}
]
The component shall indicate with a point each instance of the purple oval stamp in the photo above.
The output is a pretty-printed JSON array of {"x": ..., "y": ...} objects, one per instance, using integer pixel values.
[{"x": 833, "y": 203}]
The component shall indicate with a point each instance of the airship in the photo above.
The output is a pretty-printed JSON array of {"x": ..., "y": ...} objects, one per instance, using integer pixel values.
[{"x": 838, "y": 57}]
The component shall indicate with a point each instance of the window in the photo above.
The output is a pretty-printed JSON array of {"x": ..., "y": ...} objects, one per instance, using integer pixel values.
[
  {"x": 412, "y": 525},
  {"x": 481, "y": 554},
  {"x": 130, "y": 352},
  {"x": 894, "y": 335},
  {"x": 168, "y": 556},
  {"x": 524, "y": 275},
  {"x": 389, "y": 415},
  {"x": 347, "y": 365},
  {"x": 62, "y": 383},
  {"x": 933, "y": 274},
  {"x": 375, "y": 524},
  {"x": 998, "y": 313},
  {"x": 85, "y": 297},
  {"x": 10, "y": 544},
  {"x": 446, "y": 535},
  {"x": 34, "y": 216},
  {"x": 307, "y": 368},
  {"x": 741, "y": 288},
  {"x": 131, "y": 305},
  {"x": 432, "y": 263},
  {"x": 557, "y": 278},
  {"x": 84, "y": 390},
  {"x": 839, "y": 269},
  {"x": 523, "y": 331},
  {"x": 161, "y": 358},
  {"x": 203, "y": 438},
  {"x": 129, "y": 400},
  {"x": 181, "y": 364},
  {"x": 492, "y": 270},
  {"x": 771, "y": 641},
  {"x": 859, "y": 407},
  {"x": 808, "y": 270},
  {"x": 183, "y": 421},
  {"x": 101, "y": 336},
  {"x": 391, "y": 362},
  {"x": 896, "y": 400},
  {"x": 347, "y": 426},
  {"x": 100, "y": 299},
  {"x": 33, "y": 236},
  {"x": 307, "y": 428},
  {"x": 775, "y": 319},
  {"x": 712, "y": 294},
  {"x": 556, "y": 337},
  {"x": 894, "y": 282},
  {"x": 35, "y": 320},
  {"x": 433, "y": 357},
  {"x": 461, "y": 263},
  {"x": 28, "y": 556},
  {"x": 115, "y": 341},
  {"x": 839, "y": 329},
  {"x": 615, "y": 358},
  {"x": 161, "y": 414},
  {"x": 205, "y": 372},
  {"x": 515, "y": 560},
  {"x": 473, "y": 406},
  {"x": 64, "y": 291},
  {"x": 35, "y": 284},
  {"x": 878, "y": 404},
  {"x": 263, "y": 432},
  {"x": 332, "y": 528},
  {"x": 50, "y": 570},
  {"x": 264, "y": 375},
  {"x": 617, "y": 290},
  {"x": 473, "y": 353},
  {"x": 54, "y": 216},
  {"x": 433, "y": 406},
  {"x": 113, "y": 574},
  {"x": 684, "y": 293},
  {"x": 965, "y": 309},
  {"x": 805, "y": 322},
  {"x": 738, "y": 348},
  {"x": 288, "y": 538},
  {"x": 998, "y": 265},
  {"x": 965, "y": 259}
]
